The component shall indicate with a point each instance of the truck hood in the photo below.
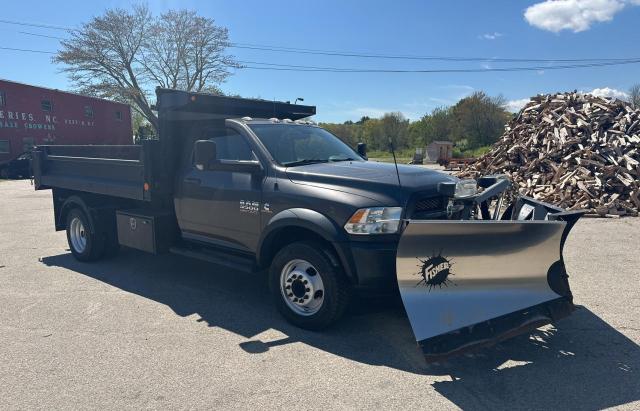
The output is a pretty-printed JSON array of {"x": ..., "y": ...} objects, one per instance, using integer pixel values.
[{"x": 371, "y": 179}]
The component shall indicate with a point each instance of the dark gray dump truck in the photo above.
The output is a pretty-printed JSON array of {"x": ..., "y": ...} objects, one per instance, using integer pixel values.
[{"x": 251, "y": 185}]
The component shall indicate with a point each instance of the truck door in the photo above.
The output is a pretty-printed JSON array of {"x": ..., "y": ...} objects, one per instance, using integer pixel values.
[{"x": 222, "y": 206}]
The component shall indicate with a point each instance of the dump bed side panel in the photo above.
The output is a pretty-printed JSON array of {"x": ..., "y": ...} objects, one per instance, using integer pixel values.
[{"x": 118, "y": 171}]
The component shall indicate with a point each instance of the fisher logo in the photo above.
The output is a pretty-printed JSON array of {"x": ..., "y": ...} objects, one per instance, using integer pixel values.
[{"x": 435, "y": 271}]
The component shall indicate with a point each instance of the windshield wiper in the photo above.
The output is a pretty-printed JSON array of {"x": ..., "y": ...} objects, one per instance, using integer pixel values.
[
  {"x": 304, "y": 162},
  {"x": 333, "y": 160}
]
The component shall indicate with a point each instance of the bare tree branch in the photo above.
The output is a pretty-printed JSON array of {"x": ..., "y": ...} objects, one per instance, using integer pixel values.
[
  {"x": 123, "y": 55},
  {"x": 634, "y": 96}
]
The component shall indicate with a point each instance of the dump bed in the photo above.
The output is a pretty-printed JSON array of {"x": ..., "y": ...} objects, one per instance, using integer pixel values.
[
  {"x": 118, "y": 171},
  {"x": 146, "y": 172}
]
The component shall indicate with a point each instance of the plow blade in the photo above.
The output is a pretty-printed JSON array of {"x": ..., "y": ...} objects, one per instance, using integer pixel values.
[{"x": 466, "y": 284}]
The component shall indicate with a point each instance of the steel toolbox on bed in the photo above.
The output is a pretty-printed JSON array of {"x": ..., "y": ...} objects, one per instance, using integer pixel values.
[{"x": 470, "y": 283}]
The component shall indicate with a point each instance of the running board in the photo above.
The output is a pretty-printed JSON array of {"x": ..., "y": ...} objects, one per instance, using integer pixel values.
[{"x": 223, "y": 258}]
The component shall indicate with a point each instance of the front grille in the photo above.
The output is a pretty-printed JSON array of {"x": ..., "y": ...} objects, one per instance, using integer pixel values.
[
  {"x": 428, "y": 204},
  {"x": 427, "y": 207}
]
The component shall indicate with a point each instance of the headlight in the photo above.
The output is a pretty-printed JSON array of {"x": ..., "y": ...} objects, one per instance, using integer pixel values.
[
  {"x": 374, "y": 220},
  {"x": 466, "y": 188}
]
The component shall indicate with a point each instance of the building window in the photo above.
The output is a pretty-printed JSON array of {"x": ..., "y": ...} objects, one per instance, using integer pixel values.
[
  {"x": 4, "y": 146},
  {"x": 3, "y": 99},
  {"x": 46, "y": 105},
  {"x": 119, "y": 115},
  {"x": 88, "y": 111}
]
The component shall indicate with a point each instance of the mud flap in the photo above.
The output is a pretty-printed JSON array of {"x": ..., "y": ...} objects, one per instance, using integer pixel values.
[{"x": 473, "y": 283}]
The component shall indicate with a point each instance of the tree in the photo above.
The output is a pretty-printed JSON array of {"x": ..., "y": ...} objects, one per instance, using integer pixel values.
[
  {"x": 475, "y": 121},
  {"x": 440, "y": 125},
  {"x": 634, "y": 96},
  {"x": 124, "y": 55},
  {"x": 345, "y": 131},
  {"x": 395, "y": 127},
  {"x": 480, "y": 119}
]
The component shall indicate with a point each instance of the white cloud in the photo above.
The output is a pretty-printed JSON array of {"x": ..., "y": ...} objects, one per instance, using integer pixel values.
[
  {"x": 609, "y": 92},
  {"x": 514, "y": 106},
  {"x": 492, "y": 36},
  {"x": 574, "y": 15},
  {"x": 373, "y": 112},
  {"x": 409, "y": 111},
  {"x": 463, "y": 87}
]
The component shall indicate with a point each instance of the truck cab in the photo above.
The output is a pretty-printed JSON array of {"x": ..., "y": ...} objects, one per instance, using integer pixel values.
[{"x": 253, "y": 182}]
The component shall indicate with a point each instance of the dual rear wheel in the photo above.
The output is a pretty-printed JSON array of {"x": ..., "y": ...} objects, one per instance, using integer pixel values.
[{"x": 89, "y": 240}]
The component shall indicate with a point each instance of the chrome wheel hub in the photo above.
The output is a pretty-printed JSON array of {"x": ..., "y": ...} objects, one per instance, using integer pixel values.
[
  {"x": 78, "y": 235},
  {"x": 302, "y": 287}
]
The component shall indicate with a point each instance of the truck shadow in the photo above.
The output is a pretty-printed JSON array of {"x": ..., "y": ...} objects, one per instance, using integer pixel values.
[{"x": 583, "y": 363}]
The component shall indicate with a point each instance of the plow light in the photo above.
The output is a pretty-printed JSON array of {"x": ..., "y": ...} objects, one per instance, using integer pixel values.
[
  {"x": 374, "y": 220},
  {"x": 466, "y": 188},
  {"x": 458, "y": 189}
]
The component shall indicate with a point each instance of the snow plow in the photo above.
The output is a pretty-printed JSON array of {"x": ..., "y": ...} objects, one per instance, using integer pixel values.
[{"x": 486, "y": 277}]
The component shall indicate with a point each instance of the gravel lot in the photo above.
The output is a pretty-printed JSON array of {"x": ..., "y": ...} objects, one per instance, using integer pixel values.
[{"x": 167, "y": 332}]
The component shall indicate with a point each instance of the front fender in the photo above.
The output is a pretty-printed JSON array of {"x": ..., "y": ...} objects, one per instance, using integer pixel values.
[{"x": 304, "y": 218}]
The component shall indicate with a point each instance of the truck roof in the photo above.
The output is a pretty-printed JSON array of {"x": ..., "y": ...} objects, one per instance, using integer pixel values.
[
  {"x": 273, "y": 120},
  {"x": 183, "y": 105}
]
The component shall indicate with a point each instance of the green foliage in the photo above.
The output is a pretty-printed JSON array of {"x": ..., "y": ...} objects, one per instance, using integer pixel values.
[
  {"x": 376, "y": 133},
  {"x": 480, "y": 119},
  {"x": 386, "y": 154},
  {"x": 473, "y": 123},
  {"x": 475, "y": 152}
]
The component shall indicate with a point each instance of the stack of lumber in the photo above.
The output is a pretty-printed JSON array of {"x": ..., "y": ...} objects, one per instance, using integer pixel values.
[{"x": 573, "y": 150}]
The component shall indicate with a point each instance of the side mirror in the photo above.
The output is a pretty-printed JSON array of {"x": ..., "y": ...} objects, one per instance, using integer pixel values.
[
  {"x": 362, "y": 150},
  {"x": 205, "y": 154}
]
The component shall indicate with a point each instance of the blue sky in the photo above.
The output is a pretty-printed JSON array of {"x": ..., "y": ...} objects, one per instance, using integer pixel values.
[{"x": 496, "y": 29}]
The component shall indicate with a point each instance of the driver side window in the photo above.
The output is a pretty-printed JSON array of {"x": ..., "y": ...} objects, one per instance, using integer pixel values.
[{"x": 232, "y": 146}]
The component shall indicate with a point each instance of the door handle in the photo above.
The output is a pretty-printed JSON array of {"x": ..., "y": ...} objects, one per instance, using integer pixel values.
[{"x": 192, "y": 180}]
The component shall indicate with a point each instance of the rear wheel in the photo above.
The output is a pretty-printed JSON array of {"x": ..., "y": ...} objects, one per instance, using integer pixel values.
[
  {"x": 4, "y": 173},
  {"x": 309, "y": 290},
  {"x": 84, "y": 244}
]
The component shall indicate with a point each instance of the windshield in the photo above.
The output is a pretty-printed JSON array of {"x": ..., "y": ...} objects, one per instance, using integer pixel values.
[{"x": 294, "y": 145}]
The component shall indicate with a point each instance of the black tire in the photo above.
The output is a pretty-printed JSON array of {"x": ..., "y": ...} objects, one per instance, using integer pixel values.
[
  {"x": 336, "y": 293},
  {"x": 94, "y": 245},
  {"x": 4, "y": 173}
]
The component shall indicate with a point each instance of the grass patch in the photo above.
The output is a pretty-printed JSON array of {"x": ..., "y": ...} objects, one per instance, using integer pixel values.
[
  {"x": 474, "y": 152},
  {"x": 402, "y": 156}
]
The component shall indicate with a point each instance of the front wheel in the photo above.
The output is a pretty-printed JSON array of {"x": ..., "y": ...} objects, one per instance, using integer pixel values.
[{"x": 307, "y": 288}]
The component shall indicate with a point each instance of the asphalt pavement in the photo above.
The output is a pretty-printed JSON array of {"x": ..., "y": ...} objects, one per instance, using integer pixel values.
[{"x": 141, "y": 331}]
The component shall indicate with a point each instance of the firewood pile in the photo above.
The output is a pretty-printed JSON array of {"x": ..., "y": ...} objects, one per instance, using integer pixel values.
[{"x": 573, "y": 150}]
